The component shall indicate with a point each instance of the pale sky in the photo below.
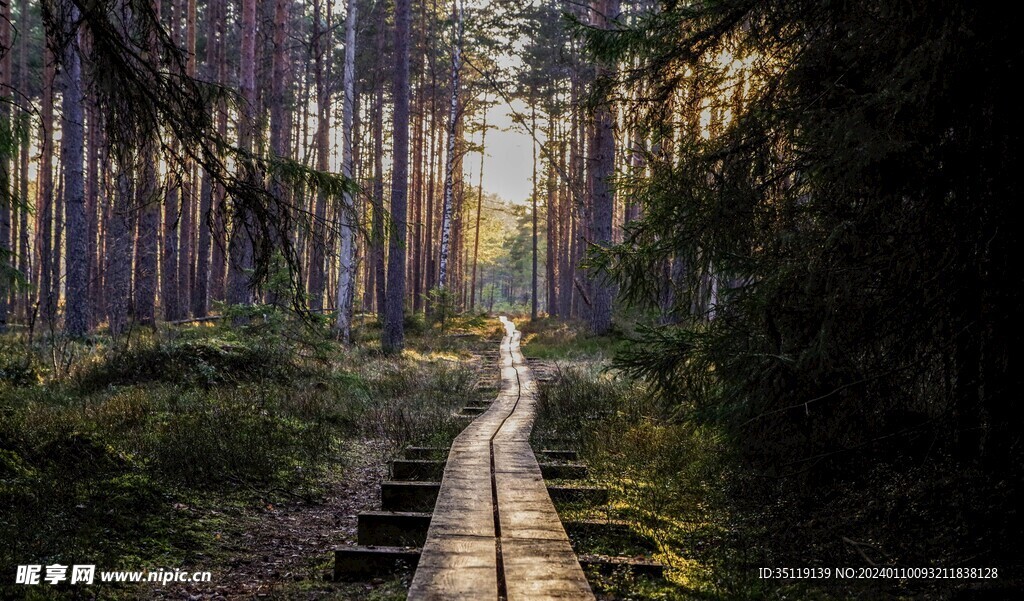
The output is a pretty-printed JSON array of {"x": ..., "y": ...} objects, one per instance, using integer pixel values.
[{"x": 509, "y": 162}]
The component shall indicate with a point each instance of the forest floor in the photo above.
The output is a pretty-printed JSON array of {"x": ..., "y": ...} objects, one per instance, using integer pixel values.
[
  {"x": 244, "y": 453},
  {"x": 250, "y": 453}
]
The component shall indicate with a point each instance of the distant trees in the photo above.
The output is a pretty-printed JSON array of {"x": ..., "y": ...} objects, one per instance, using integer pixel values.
[
  {"x": 209, "y": 158},
  {"x": 838, "y": 275}
]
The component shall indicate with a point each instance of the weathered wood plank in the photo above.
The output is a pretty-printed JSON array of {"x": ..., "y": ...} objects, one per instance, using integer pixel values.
[{"x": 477, "y": 521}]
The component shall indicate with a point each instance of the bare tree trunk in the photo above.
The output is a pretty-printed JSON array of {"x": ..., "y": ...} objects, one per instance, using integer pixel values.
[
  {"x": 552, "y": 233},
  {"x": 76, "y": 317},
  {"x": 419, "y": 172},
  {"x": 602, "y": 166},
  {"x": 533, "y": 201},
  {"x": 44, "y": 245},
  {"x": 149, "y": 221},
  {"x": 186, "y": 257},
  {"x": 479, "y": 207},
  {"x": 279, "y": 134},
  {"x": 393, "y": 335},
  {"x": 6, "y": 187},
  {"x": 24, "y": 258},
  {"x": 453, "y": 124},
  {"x": 347, "y": 214},
  {"x": 201, "y": 289},
  {"x": 377, "y": 281},
  {"x": 119, "y": 251},
  {"x": 322, "y": 61},
  {"x": 240, "y": 290}
]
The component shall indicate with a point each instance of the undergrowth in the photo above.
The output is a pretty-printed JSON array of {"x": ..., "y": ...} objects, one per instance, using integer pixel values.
[{"x": 127, "y": 456}]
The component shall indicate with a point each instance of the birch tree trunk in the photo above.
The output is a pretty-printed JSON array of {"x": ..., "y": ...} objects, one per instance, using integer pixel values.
[
  {"x": 347, "y": 214},
  {"x": 449, "y": 171}
]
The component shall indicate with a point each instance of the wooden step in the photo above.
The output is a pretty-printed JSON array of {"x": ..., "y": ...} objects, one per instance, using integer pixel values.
[
  {"x": 559, "y": 454},
  {"x": 392, "y": 528},
  {"x": 563, "y": 471},
  {"x": 364, "y": 563},
  {"x": 417, "y": 469},
  {"x": 608, "y": 564},
  {"x": 408, "y": 496},
  {"x": 428, "y": 453},
  {"x": 422, "y": 496},
  {"x": 587, "y": 495}
]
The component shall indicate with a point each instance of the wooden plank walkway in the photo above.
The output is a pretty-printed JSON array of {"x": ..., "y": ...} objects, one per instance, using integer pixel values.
[{"x": 495, "y": 532}]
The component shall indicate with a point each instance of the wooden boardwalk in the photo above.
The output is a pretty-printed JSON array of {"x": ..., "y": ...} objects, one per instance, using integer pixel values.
[{"x": 495, "y": 532}]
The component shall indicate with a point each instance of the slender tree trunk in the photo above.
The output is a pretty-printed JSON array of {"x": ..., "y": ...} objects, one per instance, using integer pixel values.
[
  {"x": 25, "y": 263},
  {"x": 550, "y": 210},
  {"x": 76, "y": 318},
  {"x": 149, "y": 220},
  {"x": 321, "y": 49},
  {"x": 602, "y": 165},
  {"x": 279, "y": 121},
  {"x": 219, "y": 217},
  {"x": 186, "y": 258},
  {"x": 201, "y": 289},
  {"x": 240, "y": 290},
  {"x": 119, "y": 251},
  {"x": 347, "y": 214},
  {"x": 393, "y": 335},
  {"x": 533, "y": 201},
  {"x": 377, "y": 277},
  {"x": 93, "y": 185},
  {"x": 44, "y": 245},
  {"x": 6, "y": 183},
  {"x": 479, "y": 207},
  {"x": 453, "y": 126}
]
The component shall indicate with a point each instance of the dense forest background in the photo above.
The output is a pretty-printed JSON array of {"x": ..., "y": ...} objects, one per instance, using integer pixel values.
[{"x": 800, "y": 215}]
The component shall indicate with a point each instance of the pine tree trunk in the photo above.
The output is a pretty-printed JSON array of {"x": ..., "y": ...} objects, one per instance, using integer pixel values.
[
  {"x": 479, "y": 207},
  {"x": 202, "y": 281},
  {"x": 240, "y": 290},
  {"x": 321, "y": 50},
  {"x": 377, "y": 282},
  {"x": 393, "y": 335},
  {"x": 602, "y": 165},
  {"x": 533, "y": 202},
  {"x": 550, "y": 210},
  {"x": 6, "y": 183},
  {"x": 279, "y": 130},
  {"x": 76, "y": 318},
  {"x": 25, "y": 263},
  {"x": 186, "y": 258},
  {"x": 46, "y": 286}
]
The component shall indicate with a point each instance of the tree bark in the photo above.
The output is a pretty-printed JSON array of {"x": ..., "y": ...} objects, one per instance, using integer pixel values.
[
  {"x": 201, "y": 282},
  {"x": 449, "y": 171},
  {"x": 393, "y": 335},
  {"x": 76, "y": 318},
  {"x": 602, "y": 165},
  {"x": 321, "y": 58},
  {"x": 46, "y": 286},
  {"x": 240, "y": 290},
  {"x": 347, "y": 214}
]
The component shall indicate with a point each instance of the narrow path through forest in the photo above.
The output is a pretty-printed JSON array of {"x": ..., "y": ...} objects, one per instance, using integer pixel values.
[{"x": 495, "y": 532}]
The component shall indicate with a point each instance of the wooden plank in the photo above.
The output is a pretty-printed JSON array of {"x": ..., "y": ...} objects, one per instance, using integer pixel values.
[{"x": 460, "y": 559}]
